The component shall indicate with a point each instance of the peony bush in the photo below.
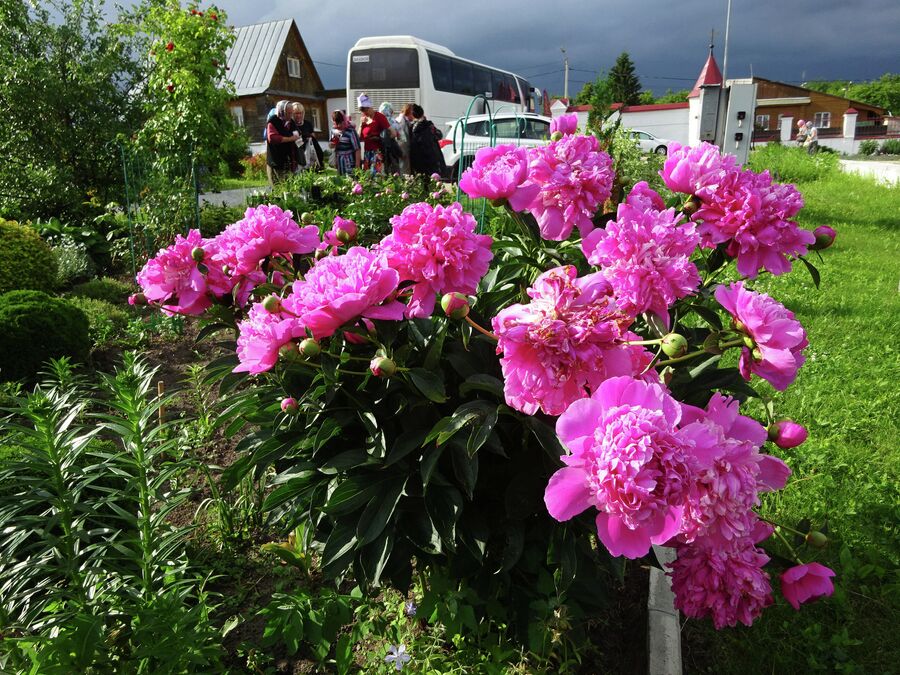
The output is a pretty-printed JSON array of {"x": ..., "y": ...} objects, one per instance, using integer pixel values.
[{"x": 517, "y": 409}]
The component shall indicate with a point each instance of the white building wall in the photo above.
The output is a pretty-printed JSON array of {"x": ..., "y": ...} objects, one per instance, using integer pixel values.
[{"x": 670, "y": 124}]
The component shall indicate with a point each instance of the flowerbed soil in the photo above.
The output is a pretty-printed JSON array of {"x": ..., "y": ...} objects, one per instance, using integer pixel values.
[{"x": 245, "y": 579}]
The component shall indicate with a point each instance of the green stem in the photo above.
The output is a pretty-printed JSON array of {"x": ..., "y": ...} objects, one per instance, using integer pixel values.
[
  {"x": 701, "y": 352},
  {"x": 788, "y": 544},
  {"x": 481, "y": 330}
]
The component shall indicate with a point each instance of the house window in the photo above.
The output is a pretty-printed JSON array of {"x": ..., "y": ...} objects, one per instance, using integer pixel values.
[
  {"x": 314, "y": 117},
  {"x": 237, "y": 114},
  {"x": 762, "y": 121},
  {"x": 293, "y": 67},
  {"x": 822, "y": 120}
]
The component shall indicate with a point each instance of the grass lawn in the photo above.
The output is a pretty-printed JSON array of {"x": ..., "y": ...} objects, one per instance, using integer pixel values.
[
  {"x": 239, "y": 183},
  {"x": 848, "y": 473}
]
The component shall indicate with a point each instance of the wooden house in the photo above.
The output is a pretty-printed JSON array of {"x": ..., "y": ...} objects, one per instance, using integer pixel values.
[{"x": 268, "y": 63}]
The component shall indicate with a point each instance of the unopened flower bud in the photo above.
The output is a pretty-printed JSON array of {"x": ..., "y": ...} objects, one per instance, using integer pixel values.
[
  {"x": 272, "y": 304},
  {"x": 289, "y": 351},
  {"x": 198, "y": 254},
  {"x": 787, "y": 434},
  {"x": 345, "y": 230},
  {"x": 455, "y": 305},
  {"x": 382, "y": 367},
  {"x": 307, "y": 218},
  {"x": 824, "y": 237},
  {"x": 556, "y": 136},
  {"x": 289, "y": 405},
  {"x": 309, "y": 348},
  {"x": 674, "y": 345},
  {"x": 817, "y": 539},
  {"x": 137, "y": 299},
  {"x": 691, "y": 206}
]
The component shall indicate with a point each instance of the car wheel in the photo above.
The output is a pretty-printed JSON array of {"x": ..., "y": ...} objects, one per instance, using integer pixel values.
[{"x": 661, "y": 150}]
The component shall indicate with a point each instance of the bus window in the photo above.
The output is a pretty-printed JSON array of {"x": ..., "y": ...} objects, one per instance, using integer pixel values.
[
  {"x": 505, "y": 88},
  {"x": 482, "y": 81},
  {"x": 441, "y": 72},
  {"x": 463, "y": 80},
  {"x": 391, "y": 68}
]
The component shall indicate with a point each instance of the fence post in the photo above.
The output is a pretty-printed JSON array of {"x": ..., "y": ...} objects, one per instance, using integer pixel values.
[{"x": 128, "y": 211}]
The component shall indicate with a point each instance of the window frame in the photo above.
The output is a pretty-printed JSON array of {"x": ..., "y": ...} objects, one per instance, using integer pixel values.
[
  {"x": 820, "y": 117},
  {"x": 766, "y": 122},
  {"x": 296, "y": 71},
  {"x": 237, "y": 114}
]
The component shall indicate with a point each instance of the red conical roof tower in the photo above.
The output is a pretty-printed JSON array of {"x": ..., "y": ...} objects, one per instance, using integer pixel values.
[{"x": 709, "y": 75}]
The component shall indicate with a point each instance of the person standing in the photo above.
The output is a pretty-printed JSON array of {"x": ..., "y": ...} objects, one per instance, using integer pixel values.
[
  {"x": 391, "y": 149},
  {"x": 344, "y": 143},
  {"x": 425, "y": 157},
  {"x": 812, "y": 139},
  {"x": 404, "y": 126},
  {"x": 372, "y": 123},
  {"x": 307, "y": 135},
  {"x": 279, "y": 144},
  {"x": 801, "y": 133}
]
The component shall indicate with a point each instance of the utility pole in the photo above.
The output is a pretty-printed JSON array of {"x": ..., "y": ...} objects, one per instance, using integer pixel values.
[
  {"x": 725, "y": 58},
  {"x": 566, "y": 81}
]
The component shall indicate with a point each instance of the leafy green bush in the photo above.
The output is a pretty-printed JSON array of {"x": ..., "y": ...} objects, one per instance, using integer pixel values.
[
  {"x": 35, "y": 327},
  {"x": 105, "y": 288},
  {"x": 793, "y": 165},
  {"x": 106, "y": 322},
  {"x": 214, "y": 219},
  {"x": 869, "y": 147},
  {"x": 74, "y": 264},
  {"x": 26, "y": 261},
  {"x": 255, "y": 166},
  {"x": 891, "y": 147}
]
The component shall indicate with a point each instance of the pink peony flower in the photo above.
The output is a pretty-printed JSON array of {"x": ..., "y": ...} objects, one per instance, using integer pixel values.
[
  {"x": 730, "y": 472},
  {"x": 778, "y": 336},
  {"x": 787, "y": 434},
  {"x": 565, "y": 124},
  {"x": 261, "y": 335},
  {"x": 753, "y": 216},
  {"x": 340, "y": 289},
  {"x": 500, "y": 173},
  {"x": 575, "y": 178},
  {"x": 436, "y": 177},
  {"x": 698, "y": 170},
  {"x": 725, "y": 583},
  {"x": 563, "y": 344},
  {"x": 806, "y": 582},
  {"x": 437, "y": 249},
  {"x": 645, "y": 256},
  {"x": 181, "y": 284},
  {"x": 629, "y": 460},
  {"x": 357, "y": 189},
  {"x": 643, "y": 197},
  {"x": 342, "y": 232},
  {"x": 265, "y": 231}
]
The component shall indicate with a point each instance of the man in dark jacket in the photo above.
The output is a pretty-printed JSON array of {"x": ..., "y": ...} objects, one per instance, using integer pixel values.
[
  {"x": 425, "y": 156},
  {"x": 279, "y": 148}
]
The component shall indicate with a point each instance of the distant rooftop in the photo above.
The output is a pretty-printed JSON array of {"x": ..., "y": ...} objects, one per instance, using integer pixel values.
[{"x": 254, "y": 55}]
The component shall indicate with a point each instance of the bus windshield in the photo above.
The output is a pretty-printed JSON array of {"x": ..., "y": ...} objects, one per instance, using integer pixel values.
[{"x": 384, "y": 68}]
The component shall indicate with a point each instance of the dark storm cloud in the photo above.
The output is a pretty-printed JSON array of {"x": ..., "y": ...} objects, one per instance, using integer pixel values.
[{"x": 788, "y": 41}]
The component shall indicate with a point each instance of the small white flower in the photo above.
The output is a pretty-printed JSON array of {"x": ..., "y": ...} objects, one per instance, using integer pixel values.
[{"x": 398, "y": 656}]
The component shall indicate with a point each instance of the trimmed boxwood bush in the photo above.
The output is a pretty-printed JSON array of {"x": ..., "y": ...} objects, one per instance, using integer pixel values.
[
  {"x": 106, "y": 322},
  {"x": 35, "y": 327},
  {"x": 105, "y": 288},
  {"x": 26, "y": 261}
]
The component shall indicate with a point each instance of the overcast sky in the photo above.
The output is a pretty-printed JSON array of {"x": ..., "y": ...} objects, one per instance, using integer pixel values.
[{"x": 789, "y": 41}]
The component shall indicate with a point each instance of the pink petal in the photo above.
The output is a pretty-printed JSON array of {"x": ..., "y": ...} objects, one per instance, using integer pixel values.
[
  {"x": 567, "y": 493},
  {"x": 620, "y": 540}
]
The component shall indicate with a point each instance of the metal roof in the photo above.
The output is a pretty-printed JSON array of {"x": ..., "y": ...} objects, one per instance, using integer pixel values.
[{"x": 254, "y": 55}]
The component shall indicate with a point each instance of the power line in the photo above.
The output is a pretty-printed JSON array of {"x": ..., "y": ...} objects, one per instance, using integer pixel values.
[
  {"x": 543, "y": 65},
  {"x": 325, "y": 63}
]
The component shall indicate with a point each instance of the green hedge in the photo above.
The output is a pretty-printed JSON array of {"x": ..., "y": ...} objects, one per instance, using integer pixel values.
[
  {"x": 105, "y": 288},
  {"x": 35, "y": 327},
  {"x": 26, "y": 261}
]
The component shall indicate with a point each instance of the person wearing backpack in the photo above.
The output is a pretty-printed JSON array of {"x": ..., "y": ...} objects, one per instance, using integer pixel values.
[{"x": 425, "y": 156}]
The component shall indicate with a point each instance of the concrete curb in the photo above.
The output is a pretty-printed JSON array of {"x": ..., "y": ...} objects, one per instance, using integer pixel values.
[{"x": 663, "y": 620}]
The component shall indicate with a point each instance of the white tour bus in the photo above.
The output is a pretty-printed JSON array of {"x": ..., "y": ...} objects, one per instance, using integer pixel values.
[{"x": 403, "y": 69}]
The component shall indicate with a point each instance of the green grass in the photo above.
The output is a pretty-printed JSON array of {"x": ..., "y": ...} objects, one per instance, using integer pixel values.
[
  {"x": 237, "y": 183},
  {"x": 848, "y": 473}
]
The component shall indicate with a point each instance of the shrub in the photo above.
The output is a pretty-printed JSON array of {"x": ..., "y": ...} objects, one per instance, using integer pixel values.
[
  {"x": 35, "y": 327},
  {"x": 105, "y": 321},
  {"x": 105, "y": 288},
  {"x": 26, "y": 261},
  {"x": 214, "y": 219},
  {"x": 869, "y": 147},
  {"x": 891, "y": 147},
  {"x": 255, "y": 166},
  {"x": 792, "y": 165},
  {"x": 74, "y": 264}
]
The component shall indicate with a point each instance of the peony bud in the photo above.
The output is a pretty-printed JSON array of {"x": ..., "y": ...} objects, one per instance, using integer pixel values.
[
  {"x": 556, "y": 136},
  {"x": 309, "y": 348},
  {"x": 289, "y": 351},
  {"x": 674, "y": 345},
  {"x": 272, "y": 304},
  {"x": 404, "y": 195},
  {"x": 691, "y": 206},
  {"x": 455, "y": 305},
  {"x": 357, "y": 189},
  {"x": 198, "y": 254},
  {"x": 170, "y": 46},
  {"x": 824, "y": 238},
  {"x": 307, "y": 218},
  {"x": 436, "y": 177},
  {"x": 382, "y": 367},
  {"x": 137, "y": 299},
  {"x": 817, "y": 539},
  {"x": 787, "y": 434},
  {"x": 289, "y": 405},
  {"x": 344, "y": 230}
]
